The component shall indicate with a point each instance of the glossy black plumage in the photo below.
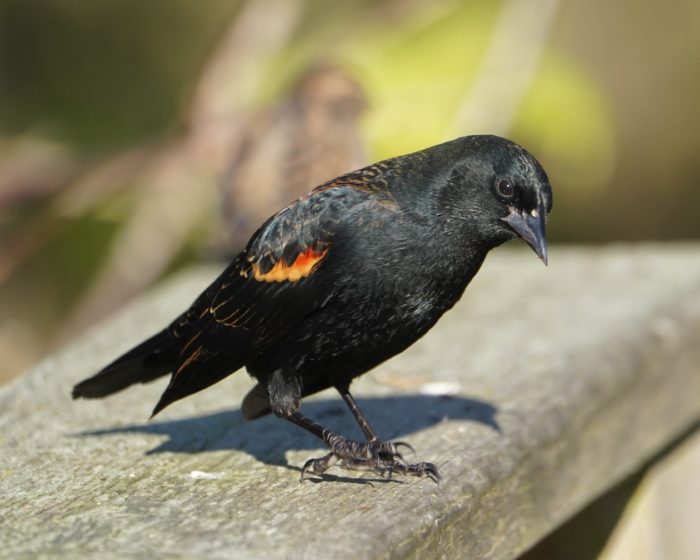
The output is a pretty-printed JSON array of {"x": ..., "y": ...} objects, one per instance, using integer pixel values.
[{"x": 344, "y": 278}]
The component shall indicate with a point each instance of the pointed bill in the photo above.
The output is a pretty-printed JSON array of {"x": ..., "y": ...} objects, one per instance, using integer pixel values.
[{"x": 530, "y": 227}]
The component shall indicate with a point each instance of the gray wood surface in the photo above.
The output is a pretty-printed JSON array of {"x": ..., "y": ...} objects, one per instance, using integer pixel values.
[{"x": 542, "y": 388}]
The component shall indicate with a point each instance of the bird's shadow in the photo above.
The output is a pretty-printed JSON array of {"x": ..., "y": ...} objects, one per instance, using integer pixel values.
[{"x": 269, "y": 438}]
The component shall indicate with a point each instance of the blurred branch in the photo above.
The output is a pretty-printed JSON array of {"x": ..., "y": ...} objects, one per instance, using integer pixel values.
[
  {"x": 503, "y": 79},
  {"x": 233, "y": 74},
  {"x": 32, "y": 169}
]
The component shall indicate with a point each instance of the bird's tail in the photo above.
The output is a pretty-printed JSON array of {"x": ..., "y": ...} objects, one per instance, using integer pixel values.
[{"x": 148, "y": 361}]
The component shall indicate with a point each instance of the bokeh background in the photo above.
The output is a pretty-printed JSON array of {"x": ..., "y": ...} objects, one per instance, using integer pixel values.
[{"x": 137, "y": 137}]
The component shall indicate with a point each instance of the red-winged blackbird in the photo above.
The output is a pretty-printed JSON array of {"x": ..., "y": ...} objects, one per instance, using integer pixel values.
[{"x": 342, "y": 279}]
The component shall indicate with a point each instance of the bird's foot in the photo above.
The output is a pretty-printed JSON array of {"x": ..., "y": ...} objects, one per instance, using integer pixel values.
[{"x": 382, "y": 458}]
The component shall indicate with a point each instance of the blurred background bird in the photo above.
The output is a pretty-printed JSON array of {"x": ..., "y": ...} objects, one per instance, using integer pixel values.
[{"x": 309, "y": 138}]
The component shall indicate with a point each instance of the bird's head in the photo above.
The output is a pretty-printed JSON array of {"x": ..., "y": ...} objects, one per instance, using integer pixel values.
[{"x": 497, "y": 191}]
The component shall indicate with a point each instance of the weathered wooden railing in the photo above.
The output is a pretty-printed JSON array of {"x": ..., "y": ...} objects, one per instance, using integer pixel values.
[{"x": 539, "y": 391}]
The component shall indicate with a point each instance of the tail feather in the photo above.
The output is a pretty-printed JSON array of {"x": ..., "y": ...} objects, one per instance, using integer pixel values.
[{"x": 146, "y": 362}]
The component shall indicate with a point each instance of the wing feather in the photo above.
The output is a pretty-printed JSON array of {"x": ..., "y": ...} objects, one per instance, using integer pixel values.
[{"x": 278, "y": 280}]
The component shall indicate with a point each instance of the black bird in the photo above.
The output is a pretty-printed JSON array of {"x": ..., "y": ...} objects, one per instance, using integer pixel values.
[{"x": 342, "y": 279}]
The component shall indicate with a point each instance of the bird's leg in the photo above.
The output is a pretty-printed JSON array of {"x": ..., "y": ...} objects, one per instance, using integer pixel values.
[
  {"x": 385, "y": 450},
  {"x": 377, "y": 456},
  {"x": 384, "y": 456},
  {"x": 361, "y": 419},
  {"x": 373, "y": 455}
]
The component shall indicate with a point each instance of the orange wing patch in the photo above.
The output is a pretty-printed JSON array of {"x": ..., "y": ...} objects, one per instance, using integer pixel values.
[{"x": 302, "y": 266}]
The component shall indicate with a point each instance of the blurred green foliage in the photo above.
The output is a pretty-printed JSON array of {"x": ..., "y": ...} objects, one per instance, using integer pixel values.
[
  {"x": 581, "y": 142},
  {"x": 102, "y": 74},
  {"x": 443, "y": 47}
]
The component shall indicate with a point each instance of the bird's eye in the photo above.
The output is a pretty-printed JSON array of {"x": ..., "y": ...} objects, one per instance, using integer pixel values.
[{"x": 505, "y": 188}]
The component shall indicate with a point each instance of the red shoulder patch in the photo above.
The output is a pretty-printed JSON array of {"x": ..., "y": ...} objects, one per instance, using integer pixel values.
[{"x": 302, "y": 266}]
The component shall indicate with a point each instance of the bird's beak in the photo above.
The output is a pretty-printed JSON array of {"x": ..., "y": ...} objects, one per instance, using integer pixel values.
[{"x": 530, "y": 227}]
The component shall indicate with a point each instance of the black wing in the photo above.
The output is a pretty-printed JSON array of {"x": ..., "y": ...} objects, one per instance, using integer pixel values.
[{"x": 280, "y": 278}]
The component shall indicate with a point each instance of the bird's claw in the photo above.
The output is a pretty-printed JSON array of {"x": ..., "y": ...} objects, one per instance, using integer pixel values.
[
  {"x": 318, "y": 466},
  {"x": 418, "y": 469},
  {"x": 408, "y": 446},
  {"x": 382, "y": 458}
]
